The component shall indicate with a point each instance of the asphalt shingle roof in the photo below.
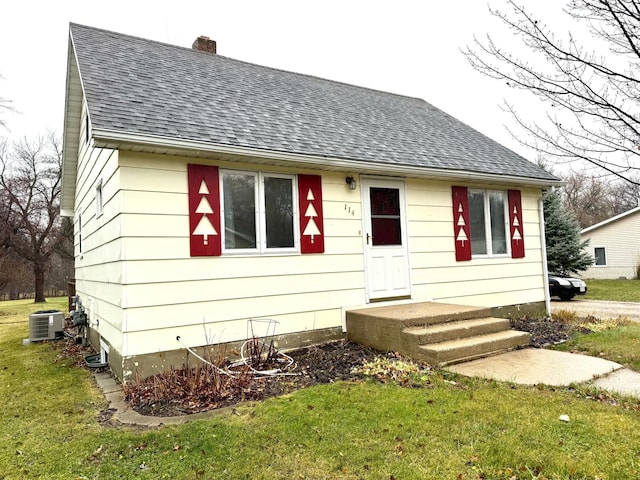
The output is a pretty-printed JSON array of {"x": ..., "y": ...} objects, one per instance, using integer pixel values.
[{"x": 138, "y": 86}]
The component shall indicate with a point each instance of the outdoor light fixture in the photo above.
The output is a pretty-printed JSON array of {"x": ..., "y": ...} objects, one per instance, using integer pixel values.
[{"x": 351, "y": 182}]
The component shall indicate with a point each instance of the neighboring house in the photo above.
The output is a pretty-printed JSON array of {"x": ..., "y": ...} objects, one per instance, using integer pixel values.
[
  {"x": 615, "y": 246},
  {"x": 208, "y": 193}
]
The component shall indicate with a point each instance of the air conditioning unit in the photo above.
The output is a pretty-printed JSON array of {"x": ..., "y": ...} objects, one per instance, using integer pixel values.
[{"x": 46, "y": 325}]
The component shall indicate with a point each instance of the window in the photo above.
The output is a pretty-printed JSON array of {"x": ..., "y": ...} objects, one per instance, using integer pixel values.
[
  {"x": 386, "y": 226},
  {"x": 259, "y": 212},
  {"x": 600, "y": 255},
  {"x": 240, "y": 214},
  {"x": 99, "y": 199},
  {"x": 80, "y": 233},
  {"x": 488, "y": 222}
]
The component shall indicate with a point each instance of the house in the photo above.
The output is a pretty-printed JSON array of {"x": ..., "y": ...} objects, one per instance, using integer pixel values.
[
  {"x": 615, "y": 246},
  {"x": 209, "y": 194}
]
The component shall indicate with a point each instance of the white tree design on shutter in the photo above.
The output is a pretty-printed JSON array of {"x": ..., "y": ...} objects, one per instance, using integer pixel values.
[
  {"x": 462, "y": 236},
  {"x": 311, "y": 229},
  {"x": 204, "y": 227},
  {"x": 516, "y": 224}
]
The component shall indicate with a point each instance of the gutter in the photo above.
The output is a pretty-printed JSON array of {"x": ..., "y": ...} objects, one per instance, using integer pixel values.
[
  {"x": 543, "y": 243},
  {"x": 117, "y": 140}
]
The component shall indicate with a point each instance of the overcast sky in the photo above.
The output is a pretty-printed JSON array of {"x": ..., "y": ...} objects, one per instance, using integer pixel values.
[{"x": 405, "y": 47}]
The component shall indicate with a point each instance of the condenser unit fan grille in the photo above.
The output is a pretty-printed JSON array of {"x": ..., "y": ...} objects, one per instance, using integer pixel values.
[{"x": 46, "y": 325}]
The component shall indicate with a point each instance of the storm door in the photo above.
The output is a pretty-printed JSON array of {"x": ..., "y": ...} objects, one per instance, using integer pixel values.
[{"x": 385, "y": 239}]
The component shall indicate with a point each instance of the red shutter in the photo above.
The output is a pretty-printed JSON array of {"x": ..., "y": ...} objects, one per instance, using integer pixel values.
[
  {"x": 461, "y": 232},
  {"x": 516, "y": 232},
  {"x": 311, "y": 220},
  {"x": 204, "y": 211}
]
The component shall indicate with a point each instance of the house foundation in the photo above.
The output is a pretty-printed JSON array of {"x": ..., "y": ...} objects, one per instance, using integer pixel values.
[{"x": 128, "y": 369}]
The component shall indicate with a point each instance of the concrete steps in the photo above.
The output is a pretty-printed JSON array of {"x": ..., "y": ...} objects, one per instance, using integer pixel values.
[
  {"x": 440, "y": 334},
  {"x": 469, "y": 348}
]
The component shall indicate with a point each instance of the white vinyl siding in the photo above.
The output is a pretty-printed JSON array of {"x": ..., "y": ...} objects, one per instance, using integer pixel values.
[
  {"x": 484, "y": 281},
  {"x": 620, "y": 240},
  {"x": 189, "y": 296},
  {"x": 99, "y": 246},
  {"x": 147, "y": 289}
]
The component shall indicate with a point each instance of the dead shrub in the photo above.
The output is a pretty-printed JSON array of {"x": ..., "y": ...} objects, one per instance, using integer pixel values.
[{"x": 204, "y": 386}]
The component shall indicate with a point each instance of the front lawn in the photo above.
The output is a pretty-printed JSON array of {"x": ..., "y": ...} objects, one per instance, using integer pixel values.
[
  {"x": 614, "y": 290},
  {"x": 620, "y": 345},
  {"x": 440, "y": 426}
]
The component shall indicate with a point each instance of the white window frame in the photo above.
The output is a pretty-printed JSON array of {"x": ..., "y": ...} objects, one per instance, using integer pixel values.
[
  {"x": 79, "y": 233},
  {"x": 487, "y": 224},
  {"x": 99, "y": 200},
  {"x": 595, "y": 258},
  {"x": 87, "y": 129},
  {"x": 260, "y": 218}
]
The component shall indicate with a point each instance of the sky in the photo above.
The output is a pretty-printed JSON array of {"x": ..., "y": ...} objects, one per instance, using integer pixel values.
[{"x": 408, "y": 47}]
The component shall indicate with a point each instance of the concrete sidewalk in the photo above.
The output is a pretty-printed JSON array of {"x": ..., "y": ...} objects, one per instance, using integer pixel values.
[{"x": 531, "y": 366}]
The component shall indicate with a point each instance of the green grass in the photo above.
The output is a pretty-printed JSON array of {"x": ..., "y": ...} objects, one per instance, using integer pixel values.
[
  {"x": 614, "y": 290},
  {"x": 620, "y": 345},
  {"x": 449, "y": 428},
  {"x": 48, "y": 405}
]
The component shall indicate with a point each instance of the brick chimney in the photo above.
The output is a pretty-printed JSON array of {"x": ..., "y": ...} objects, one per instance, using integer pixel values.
[{"x": 204, "y": 45}]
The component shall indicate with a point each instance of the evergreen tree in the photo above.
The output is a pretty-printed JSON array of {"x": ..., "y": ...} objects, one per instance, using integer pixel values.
[{"x": 565, "y": 253}]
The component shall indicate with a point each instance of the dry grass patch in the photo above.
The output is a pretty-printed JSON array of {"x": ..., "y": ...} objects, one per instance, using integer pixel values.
[{"x": 591, "y": 323}]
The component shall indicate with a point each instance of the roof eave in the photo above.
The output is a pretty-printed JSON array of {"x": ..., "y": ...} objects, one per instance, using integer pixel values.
[
  {"x": 610, "y": 220},
  {"x": 71, "y": 129},
  {"x": 120, "y": 140}
]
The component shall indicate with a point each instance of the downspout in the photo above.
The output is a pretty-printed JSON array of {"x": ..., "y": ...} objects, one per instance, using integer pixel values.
[{"x": 543, "y": 243}]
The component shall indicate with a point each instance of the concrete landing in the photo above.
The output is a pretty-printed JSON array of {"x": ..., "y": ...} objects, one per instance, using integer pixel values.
[
  {"x": 532, "y": 366},
  {"x": 417, "y": 313}
]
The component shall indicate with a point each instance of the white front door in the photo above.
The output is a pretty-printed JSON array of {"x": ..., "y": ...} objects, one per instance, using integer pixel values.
[{"x": 385, "y": 239}]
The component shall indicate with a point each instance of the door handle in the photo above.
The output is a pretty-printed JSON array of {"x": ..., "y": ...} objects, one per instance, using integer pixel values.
[{"x": 367, "y": 238}]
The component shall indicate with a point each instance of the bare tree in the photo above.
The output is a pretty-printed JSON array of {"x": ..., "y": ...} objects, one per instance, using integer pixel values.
[
  {"x": 16, "y": 277},
  {"x": 593, "y": 99},
  {"x": 593, "y": 199},
  {"x": 5, "y": 106},
  {"x": 30, "y": 178},
  {"x": 628, "y": 194}
]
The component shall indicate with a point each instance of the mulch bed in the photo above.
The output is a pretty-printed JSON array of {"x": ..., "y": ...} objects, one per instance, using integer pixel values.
[
  {"x": 546, "y": 331},
  {"x": 314, "y": 365},
  {"x": 180, "y": 392}
]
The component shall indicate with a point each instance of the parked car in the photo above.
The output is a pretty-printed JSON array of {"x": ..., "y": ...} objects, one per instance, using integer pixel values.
[{"x": 566, "y": 287}]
